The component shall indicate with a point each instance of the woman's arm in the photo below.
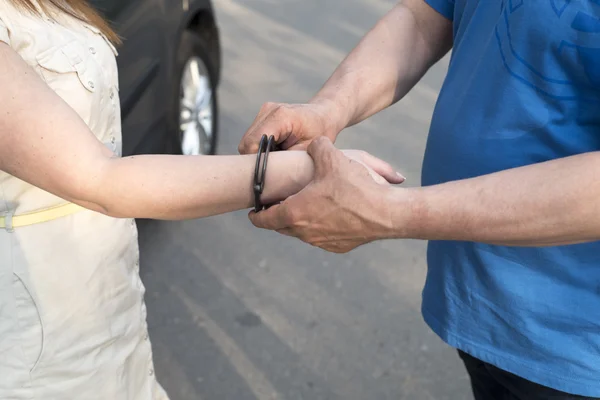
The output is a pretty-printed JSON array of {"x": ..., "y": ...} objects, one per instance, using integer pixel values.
[
  {"x": 45, "y": 143},
  {"x": 183, "y": 187}
]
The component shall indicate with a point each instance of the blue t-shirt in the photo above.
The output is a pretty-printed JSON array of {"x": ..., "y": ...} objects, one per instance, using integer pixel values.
[{"x": 523, "y": 87}]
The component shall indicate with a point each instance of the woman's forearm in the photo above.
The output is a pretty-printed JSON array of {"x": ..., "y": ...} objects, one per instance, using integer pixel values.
[
  {"x": 176, "y": 187},
  {"x": 54, "y": 150}
]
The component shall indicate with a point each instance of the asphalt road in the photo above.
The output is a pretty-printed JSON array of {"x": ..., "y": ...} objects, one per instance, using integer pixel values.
[{"x": 240, "y": 314}]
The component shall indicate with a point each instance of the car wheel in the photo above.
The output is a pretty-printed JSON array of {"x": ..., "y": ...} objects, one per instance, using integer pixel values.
[{"x": 196, "y": 107}]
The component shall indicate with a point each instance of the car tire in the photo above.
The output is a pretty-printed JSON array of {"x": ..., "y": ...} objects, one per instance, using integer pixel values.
[{"x": 193, "y": 49}]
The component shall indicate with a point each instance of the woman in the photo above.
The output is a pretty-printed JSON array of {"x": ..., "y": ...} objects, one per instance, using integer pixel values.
[{"x": 72, "y": 315}]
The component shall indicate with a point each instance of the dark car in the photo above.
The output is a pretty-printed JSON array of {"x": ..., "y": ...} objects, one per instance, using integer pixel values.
[{"x": 169, "y": 69}]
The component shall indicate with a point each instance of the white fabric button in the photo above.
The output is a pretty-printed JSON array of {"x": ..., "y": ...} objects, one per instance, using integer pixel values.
[
  {"x": 92, "y": 50},
  {"x": 112, "y": 94},
  {"x": 133, "y": 222},
  {"x": 146, "y": 336},
  {"x": 112, "y": 140},
  {"x": 91, "y": 84},
  {"x": 151, "y": 372}
]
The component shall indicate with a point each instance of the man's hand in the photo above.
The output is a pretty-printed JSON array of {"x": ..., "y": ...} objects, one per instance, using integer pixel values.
[
  {"x": 293, "y": 125},
  {"x": 343, "y": 208},
  {"x": 384, "y": 66}
]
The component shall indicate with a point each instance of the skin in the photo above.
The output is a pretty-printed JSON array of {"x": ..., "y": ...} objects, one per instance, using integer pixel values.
[
  {"x": 54, "y": 150},
  {"x": 550, "y": 203}
]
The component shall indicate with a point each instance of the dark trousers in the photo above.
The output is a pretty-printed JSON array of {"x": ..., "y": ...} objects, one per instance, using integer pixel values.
[{"x": 491, "y": 383}]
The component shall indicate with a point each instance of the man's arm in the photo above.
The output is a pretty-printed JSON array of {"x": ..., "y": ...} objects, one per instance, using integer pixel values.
[
  {"x": 387, "y": 63},
  {"x": 551, "y": 203},
  {"x": 382, "y": 69}
]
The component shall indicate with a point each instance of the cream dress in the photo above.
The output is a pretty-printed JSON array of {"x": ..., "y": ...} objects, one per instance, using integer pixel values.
[{"x": 72, "y": 313}]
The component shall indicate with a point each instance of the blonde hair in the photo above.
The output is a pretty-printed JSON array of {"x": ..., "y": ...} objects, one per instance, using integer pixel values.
[{"x": 79, "y": 9}]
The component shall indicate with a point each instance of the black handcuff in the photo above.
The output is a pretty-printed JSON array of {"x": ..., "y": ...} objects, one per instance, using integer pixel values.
[{"x": 266, "y": 146}]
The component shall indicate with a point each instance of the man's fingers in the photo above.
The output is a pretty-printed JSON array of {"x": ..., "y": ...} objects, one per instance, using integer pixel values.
[
  {"x": 251, "y": 139},
  {"x": 286, "y": 232},
  {"x": 273, "y": 119},
  {"x": 249, "y": 143},
  {"x": 299, "y": 146},
  {"x": 324, "y": 155},
  {"x": 291, "y": 140},
  {"x": 383, "y": 169},
  {"x": 274, "y": 218}
]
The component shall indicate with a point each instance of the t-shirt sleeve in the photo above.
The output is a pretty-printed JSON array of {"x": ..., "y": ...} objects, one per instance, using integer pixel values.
[
  {"x": 3, "y": 32},
  {"x": 444, "y": 7}
]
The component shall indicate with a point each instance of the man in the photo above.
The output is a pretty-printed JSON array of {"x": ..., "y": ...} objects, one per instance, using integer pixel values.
[{"x": 511, "y": 175}]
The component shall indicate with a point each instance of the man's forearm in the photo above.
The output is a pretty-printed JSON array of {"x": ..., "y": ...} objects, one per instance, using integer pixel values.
[
  {"x": 386, "y": 64},
  {"x": 551, "y": 203}
]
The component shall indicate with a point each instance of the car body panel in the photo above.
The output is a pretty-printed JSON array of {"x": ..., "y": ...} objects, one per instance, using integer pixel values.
[{"x": 151, "y": 32}]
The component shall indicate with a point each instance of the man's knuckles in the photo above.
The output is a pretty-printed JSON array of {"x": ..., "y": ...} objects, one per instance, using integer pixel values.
[{"x": 268, "y": 107}]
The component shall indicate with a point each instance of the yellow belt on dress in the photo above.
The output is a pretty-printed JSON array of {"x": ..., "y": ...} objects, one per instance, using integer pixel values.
[{"x": 39, "y": 216}]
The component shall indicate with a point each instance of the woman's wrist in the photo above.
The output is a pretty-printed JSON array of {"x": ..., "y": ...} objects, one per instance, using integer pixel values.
[{"x": 288, "y": 172}]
